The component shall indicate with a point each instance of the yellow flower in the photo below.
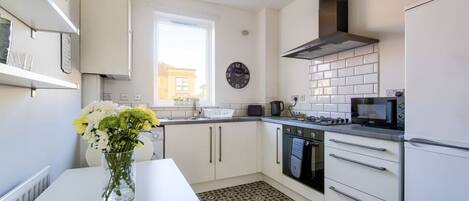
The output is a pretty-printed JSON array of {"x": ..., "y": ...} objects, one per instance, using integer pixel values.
[
  {"x": 146, "y": 126},
  {"x": 154, "y": 121},
  {"x": 80, "y": 124}
]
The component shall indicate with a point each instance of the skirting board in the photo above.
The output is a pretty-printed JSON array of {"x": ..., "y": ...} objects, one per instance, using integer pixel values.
[{"x": 224, "y": 183}]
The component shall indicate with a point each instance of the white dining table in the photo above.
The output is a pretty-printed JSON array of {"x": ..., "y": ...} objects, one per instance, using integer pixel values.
[{"x": 158, "y": 180}]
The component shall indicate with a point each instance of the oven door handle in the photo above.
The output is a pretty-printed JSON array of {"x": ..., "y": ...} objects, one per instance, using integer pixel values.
[
  {"x": 358, "y": 145},
  {"x": 358, "y": 162}
]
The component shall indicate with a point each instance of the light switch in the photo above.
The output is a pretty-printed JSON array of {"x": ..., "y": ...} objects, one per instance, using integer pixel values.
[
  {"x": 138, "y": 98},
  {"x": 124, "y": 97}
]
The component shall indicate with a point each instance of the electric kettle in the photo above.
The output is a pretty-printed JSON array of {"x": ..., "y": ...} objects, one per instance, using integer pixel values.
[{"x": 276, "y": 108}]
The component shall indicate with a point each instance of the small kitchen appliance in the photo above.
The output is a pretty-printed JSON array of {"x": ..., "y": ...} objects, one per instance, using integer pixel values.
[
  {"x": 255, "y": 110},
  {"x": 384, "y": 112},
  {"x": 277, "y": 107}
]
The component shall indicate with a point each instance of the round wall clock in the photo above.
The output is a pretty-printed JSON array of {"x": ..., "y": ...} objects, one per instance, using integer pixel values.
[{"x": 238, "y": 75}]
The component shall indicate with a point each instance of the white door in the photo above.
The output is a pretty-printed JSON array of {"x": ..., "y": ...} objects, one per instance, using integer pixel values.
[
  {"x": 236, "y": 149},
  {"x": 436, "y": 173},
  {"x": 192, "y": 148},
  {"x": 272, "y": 150}
]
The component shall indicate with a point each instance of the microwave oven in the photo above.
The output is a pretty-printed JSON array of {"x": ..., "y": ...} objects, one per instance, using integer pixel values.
[{"x": 383, "y": 112}]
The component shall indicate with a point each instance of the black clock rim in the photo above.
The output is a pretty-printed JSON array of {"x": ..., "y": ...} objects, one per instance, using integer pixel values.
[{"x": 234, "y": 84}]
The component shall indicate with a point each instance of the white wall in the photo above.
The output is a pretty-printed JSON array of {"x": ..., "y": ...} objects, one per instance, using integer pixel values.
[
  {"x": 35, "y": 132},
  {"x": 230, "y": 46},
  {"x": 380, "y": 19}
]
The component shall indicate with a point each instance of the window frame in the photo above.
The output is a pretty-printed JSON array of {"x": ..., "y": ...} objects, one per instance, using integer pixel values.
[{"x": 209, "y": 26}]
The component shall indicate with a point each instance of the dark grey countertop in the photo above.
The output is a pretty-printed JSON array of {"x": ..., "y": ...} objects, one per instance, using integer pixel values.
[{"x": 349, "y": 129}]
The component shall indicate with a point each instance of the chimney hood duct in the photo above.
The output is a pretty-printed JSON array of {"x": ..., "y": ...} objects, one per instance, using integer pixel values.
[{"x": 333, "y": 33}]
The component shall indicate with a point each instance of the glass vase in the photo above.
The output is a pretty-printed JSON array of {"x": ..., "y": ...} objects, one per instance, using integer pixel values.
[{"x": 119, "y": 180}]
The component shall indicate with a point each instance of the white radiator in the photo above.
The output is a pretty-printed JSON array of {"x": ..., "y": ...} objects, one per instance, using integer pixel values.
[{"x": 31, "y": 188}]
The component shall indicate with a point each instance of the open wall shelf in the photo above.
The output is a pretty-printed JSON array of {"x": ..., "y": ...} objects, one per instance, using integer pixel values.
[{"x": 13, "y": 76}]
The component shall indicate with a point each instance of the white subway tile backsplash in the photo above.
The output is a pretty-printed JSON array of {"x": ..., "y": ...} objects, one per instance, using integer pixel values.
[
  {"x": 324, "y": 67},
  {"x": 337, "y": 115},
  {"x": 330, "y": 90},
  {"x": 330, "y": 107},
  {"x": 314, "y": 84},
  {"x": 318, "y": 91},
  {"x": 178, "y": 114},
  {"x": 371, "y": 78},
  {"x": 330, "y": 74},
  {"x": 324, "y": 114},
  {"x": 354, "y": 80},
  {"x": 317, "y": 76},
  {"x": 371, "y": 58},
  {"x": 348, "y": 98},
  {"x": 317, "y": 107},
  {"x": 235, "y": 106},
  {"x": 344, "y": 107},
  {"x": 346, "y": 54},
  {"x": 364, "y": 50},
  {"x": 313, "y": 69},
  {"x": 355, "y": 61},
  {"x": 336, "y": 78},
  {"x": 337, "y": 99},
  {"x": 324, "y": 83},
  {"x": 338, "y": 81},
  {"x": 345, "y": 72},
  {"x": 364, "y": 89},
  {"x": 163, "y": 114},
  {"x": 345, "y": 90},
  {"x": 324, "y": 99},
  {"x": 338, "y": 64},
  {"x": 365, "y": 69}
]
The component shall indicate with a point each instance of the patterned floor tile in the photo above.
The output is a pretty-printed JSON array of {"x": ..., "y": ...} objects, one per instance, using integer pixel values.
[{"x": 257, "y": 191}]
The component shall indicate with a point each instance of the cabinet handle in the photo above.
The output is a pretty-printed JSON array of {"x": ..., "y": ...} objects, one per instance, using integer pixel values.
[
  {"x": 211, "y": 144},
  {"x": 358, "y": 162},
  {"x": 358, "y": 145},
  {"x": 276, "y": 152},
  {"x": 219, "y": 159},
  {"x": 344, "y": 194}
]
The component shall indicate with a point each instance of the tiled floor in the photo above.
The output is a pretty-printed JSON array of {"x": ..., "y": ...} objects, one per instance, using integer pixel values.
[{"x": 257, "y": 191}]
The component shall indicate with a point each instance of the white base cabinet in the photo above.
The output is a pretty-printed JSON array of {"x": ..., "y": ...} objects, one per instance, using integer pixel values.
[
  {"x": 206, "y": 152},
  {"x": 191, "y": 147},
  {"x": 363, "y": 168},
  {"x": 272, "y": 150}
]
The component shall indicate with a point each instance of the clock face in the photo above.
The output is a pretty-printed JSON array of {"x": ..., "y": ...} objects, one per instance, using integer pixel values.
[{"x": 238, "y": 75}]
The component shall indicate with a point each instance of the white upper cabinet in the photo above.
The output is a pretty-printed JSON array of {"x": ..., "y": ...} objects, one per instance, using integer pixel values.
[
  {"x": 106, "y": 38},
  {"x": 42, "y": 15}
]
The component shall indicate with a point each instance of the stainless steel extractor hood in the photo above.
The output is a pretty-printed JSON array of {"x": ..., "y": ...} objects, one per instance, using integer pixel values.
[{"x": 333, "y": 33}]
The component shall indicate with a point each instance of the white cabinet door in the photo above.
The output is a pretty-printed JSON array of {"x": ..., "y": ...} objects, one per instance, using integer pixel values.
[
  {"x": 236, "y": 149},
  {"x": 272, "y": 150},
  {"x": 335, "y": 191},
  {"x": 106, "y": 38},
  {"x": 192, "y": 148}
]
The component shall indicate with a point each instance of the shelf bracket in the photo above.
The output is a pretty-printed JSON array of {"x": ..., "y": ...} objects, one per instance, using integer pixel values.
[{"x": 33, "y": 92}]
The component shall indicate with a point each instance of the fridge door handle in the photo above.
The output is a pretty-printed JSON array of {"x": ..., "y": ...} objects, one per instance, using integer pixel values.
[{"x": 434, "y": 143}]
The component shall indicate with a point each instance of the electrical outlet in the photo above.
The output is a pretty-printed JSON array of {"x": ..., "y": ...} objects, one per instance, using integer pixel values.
[
  {"x": 294, "y": 97},
  {"x": 138, "y": 98},
  {"x": 124, "y": 97},
  {"x": 107, "y": 96}
]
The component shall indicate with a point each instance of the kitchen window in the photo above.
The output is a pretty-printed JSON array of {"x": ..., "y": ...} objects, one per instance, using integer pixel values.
[{"x": 184, "y": 60}]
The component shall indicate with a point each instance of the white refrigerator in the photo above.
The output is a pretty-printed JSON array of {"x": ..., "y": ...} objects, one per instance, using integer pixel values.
[{"x": 437, "y": 102}]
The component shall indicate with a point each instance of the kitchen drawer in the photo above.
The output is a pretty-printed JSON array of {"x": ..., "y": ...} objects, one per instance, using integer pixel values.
[
  {"x": 383, "y": 149},
  {"x": 338, "y": 192},
  {"x": 374, "y": 176}
]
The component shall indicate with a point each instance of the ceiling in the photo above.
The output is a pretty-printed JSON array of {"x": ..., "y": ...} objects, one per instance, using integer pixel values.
[{"x": 252, "y": 5}]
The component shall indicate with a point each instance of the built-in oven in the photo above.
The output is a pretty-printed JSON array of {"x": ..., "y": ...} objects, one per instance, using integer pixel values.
[
  {"x": 303, "y": 156},
  {"x": 385, "y": 112}
]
